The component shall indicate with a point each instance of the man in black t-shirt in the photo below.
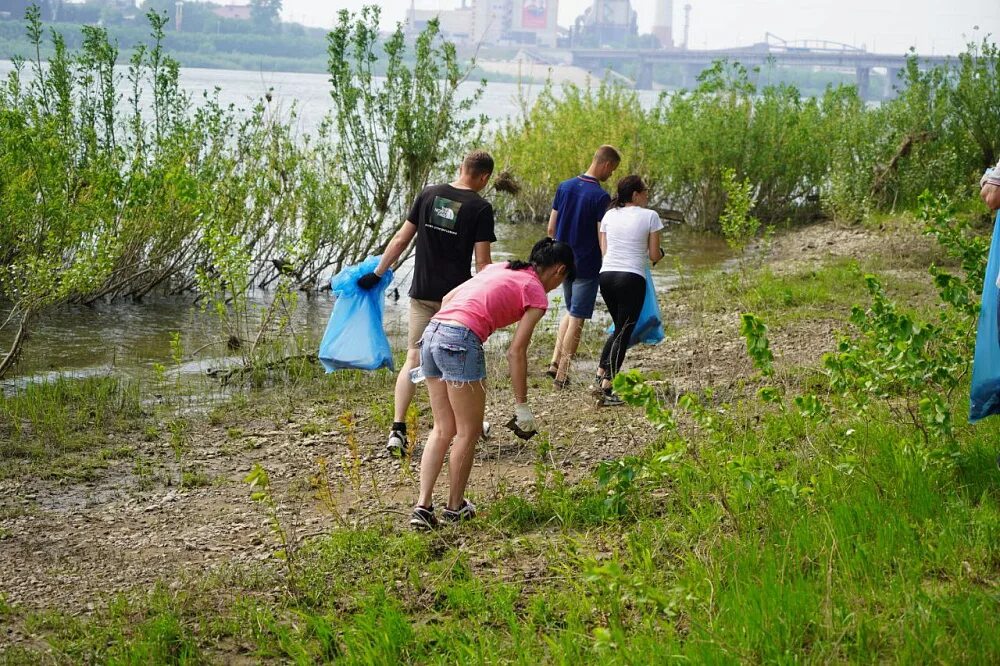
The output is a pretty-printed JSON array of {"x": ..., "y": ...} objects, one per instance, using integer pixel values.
[{"x": 452, "y": 223}]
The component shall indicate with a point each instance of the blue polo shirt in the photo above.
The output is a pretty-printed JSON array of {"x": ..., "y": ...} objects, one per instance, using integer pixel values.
[{"x": 580, "y": 204}]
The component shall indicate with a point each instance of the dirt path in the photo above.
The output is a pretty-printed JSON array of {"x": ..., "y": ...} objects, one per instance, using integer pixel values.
[{"x": 71, "y": 545}]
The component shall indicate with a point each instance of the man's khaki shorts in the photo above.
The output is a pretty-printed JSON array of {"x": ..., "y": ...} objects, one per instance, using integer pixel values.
[{"x": 420, "y": 315}]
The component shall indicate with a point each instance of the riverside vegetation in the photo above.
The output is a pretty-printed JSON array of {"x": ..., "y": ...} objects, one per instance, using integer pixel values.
[
  {"x": 119, "y": 186},
  {"x": 796, "y": 481},
  {"x": 829, "y": 156}
]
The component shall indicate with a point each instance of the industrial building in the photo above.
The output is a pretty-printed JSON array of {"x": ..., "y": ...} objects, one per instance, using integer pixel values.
[
  {"x": 606, "y": 22},
  {"x": 534, "y": 23},
  {"x": 529, "y": 22}
]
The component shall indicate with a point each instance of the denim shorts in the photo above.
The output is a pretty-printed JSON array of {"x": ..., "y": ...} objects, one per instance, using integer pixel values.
[
  {"x": 452, "y": 352},
  {"x": 580, "y": 296}
]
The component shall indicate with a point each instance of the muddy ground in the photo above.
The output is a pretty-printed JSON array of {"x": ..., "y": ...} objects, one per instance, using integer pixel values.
[{"x": 72, "y": 545}]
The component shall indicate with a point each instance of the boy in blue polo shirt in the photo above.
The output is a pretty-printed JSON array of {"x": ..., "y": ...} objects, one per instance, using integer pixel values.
[{"x": 579, "y": 205}]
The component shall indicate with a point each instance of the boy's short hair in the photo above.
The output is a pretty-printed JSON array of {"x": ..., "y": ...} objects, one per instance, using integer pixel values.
[
  {"x": 607, "y": 155},
  {"x": 478, "y": 163}
]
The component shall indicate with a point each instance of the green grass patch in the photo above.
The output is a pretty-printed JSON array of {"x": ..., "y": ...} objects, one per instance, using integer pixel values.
[
  {"x": 68, "y": 427},
  {"x": 837, "y": 541}
]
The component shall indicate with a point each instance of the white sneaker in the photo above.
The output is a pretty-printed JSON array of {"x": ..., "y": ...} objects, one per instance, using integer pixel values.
[
  {"x": 397, "y": 445},
  {"x": 485, "y": 434}
]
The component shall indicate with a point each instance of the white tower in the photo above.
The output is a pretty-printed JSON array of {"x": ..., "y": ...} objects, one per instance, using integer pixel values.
[
  {"x": 663, "y": 23},
  {"x": 687, "y": 24}
]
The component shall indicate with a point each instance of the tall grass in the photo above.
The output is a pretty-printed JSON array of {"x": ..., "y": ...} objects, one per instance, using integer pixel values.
[{"x": 45, "y": 425}]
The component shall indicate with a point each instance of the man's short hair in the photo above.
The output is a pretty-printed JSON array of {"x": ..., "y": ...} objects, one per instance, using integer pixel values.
[
  {"x": 478, "y": 163},
  {"x": 607, "y": 155}
]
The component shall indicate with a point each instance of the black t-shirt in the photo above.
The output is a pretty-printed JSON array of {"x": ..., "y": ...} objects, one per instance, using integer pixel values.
[{"x": 449, "y": 223}]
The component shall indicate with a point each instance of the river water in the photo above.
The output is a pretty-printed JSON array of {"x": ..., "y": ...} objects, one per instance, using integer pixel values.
[
  {"x": 310, "y": 93},
  {"x": 128, "y": 339}
]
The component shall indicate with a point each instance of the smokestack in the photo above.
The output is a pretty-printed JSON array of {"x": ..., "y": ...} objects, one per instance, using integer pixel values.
[
  {"x": 663, "y": 23},
  {"x": 687, "y": 24}
]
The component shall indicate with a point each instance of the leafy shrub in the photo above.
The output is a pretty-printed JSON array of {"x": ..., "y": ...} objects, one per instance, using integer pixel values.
[
  {"x": 910, "y": 365},
  {"x": 798, "y": 155},
  {"x": 939, "y": 134},
  {"x": 767, "y": 136},
  {"x": 555, "y": 139},
  {"x": 738, "y": 226},
  {"x": 117, "y": 184}
]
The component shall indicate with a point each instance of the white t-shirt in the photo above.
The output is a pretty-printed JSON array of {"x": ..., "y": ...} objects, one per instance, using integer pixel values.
[{"x": 628, "y": 230}]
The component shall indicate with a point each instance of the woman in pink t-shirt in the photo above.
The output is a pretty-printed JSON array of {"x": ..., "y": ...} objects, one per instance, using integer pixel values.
[{"x": 452, "y": 360}]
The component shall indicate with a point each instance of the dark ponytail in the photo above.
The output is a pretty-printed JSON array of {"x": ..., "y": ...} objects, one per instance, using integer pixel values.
[
  {"x": 628, "y": 187},
  {"x": 547, "y": 252}
]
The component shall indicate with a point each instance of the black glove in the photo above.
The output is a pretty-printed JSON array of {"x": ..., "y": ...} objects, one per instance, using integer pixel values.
[
  {"x": 662, "y": 255},
  {"x": 368, "y": 280}
]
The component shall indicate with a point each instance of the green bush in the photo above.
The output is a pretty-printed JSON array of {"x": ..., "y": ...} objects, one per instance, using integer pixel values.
[
  {"x": 938, "y": 135},
  {"x": 800, "y": 156},
  {"x": 767, "y": 137},
  {"x": 116, "y": 184},
  {"x": 555, "y": 138}
]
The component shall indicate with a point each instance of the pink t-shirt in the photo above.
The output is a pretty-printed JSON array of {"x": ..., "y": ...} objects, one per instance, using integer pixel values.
[{"x": 494, "y": 298}]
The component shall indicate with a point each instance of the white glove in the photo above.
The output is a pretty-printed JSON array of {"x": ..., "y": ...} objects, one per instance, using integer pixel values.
[
  {"x": 524, "y": 419},
  {"x": 988, "y": 174}
]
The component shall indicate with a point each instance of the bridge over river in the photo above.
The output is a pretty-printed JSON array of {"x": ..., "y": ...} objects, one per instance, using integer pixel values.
[{"x": 808, "y": 54}]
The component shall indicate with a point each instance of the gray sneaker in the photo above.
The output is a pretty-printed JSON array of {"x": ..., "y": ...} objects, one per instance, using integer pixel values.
[
  {"x": 465, "y": 512},
  {"x": 423, "y": 518},
  {"x": 611, "y": 399}
]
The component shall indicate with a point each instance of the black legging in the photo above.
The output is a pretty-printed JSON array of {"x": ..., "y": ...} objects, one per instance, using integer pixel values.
[{"x": 624, "y": 294}]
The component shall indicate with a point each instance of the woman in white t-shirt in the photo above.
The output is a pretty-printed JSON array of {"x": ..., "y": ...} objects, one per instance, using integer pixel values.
[{"x": 629, "y": 237}]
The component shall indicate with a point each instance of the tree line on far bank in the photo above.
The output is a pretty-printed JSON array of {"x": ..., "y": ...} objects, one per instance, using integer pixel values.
[
  {"x": 206, "y": 40},
  {"x": 261, "y": 16}
]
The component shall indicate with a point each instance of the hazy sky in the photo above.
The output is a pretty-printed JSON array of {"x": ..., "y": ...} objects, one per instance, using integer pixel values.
[{"x": 888, "y": 26}]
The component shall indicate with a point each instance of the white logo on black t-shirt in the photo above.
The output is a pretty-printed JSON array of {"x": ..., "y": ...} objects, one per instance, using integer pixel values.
[{"x": 445, "y": 215}]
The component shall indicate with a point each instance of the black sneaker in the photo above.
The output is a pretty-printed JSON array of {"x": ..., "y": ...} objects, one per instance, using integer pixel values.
[
  {"x": 465, "y": 512},
  {"x": 611, "y": 399},
  {"x": 596, "y": 388},
  {"x": 423, "y": 518},
  {"x": 397, "y": 445}
]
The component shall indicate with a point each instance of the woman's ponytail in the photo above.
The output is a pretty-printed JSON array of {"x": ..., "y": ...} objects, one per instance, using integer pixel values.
[{"x": 547, "y": 252}]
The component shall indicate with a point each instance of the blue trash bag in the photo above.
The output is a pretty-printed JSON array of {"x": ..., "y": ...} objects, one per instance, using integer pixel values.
[
  {"x": 984, "y": 396},
  {"x": 355, "y": 337},
  {"x": 649, "y": 329}
]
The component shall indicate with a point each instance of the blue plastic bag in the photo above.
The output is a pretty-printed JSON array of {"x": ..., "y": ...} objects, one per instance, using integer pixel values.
[
  {"x": 649, "y": 328},
  {"x": 355, "y": 337},
  {"x": 984, "y": 396}
]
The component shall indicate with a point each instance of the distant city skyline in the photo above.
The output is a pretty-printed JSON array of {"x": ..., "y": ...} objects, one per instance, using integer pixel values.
[{"x": 879, "y": 25}]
